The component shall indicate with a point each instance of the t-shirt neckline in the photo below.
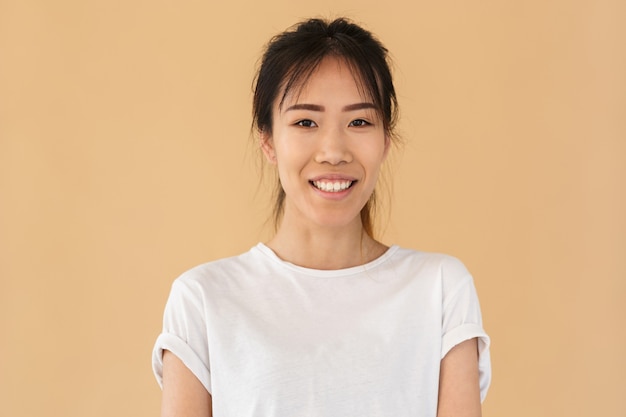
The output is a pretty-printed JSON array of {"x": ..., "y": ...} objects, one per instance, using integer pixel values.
[{"x": 266, "y": 251}]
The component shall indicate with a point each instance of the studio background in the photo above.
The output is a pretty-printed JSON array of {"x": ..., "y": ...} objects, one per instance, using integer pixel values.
[{"x": 126, "y": 158}]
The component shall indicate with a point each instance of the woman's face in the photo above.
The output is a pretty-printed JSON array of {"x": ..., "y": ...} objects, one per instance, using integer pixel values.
[{"x": 328, "y": 143}]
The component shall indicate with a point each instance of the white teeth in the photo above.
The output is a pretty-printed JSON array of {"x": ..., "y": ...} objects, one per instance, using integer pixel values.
[{"x": 332, "y": 187}]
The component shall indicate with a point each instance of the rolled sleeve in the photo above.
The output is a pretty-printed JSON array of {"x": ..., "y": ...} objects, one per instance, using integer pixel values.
[{"x": 184, "y": 332}]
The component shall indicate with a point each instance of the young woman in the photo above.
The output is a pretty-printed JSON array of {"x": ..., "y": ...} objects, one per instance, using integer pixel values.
[{"x": 324, "y": 320}]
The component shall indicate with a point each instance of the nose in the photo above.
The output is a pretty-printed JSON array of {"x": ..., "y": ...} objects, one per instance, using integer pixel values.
[{"x": 333, "y": 148}]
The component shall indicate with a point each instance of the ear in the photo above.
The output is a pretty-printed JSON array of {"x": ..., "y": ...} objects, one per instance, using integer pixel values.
[{"x": 267, "y": 146}]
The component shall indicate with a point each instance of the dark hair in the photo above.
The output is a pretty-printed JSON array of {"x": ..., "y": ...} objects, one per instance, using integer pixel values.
[{"x": 292, "y": 56}]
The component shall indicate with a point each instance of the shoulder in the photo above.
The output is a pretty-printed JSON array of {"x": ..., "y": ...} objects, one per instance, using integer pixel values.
[
  {"x": 220, "y": 271},
  {"x": 202, "y": 285},
  {"x": 445, "y": 264},
  {"x": 446, "y": 269}
]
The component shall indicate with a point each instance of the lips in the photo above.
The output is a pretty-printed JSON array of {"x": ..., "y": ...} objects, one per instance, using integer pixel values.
[{"x": 332, "y": 186}]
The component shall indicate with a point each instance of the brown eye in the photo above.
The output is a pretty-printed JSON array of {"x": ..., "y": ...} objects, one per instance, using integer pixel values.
[
  {"x": 306, "y": 123},
  {"x": 359, "y": 123}
]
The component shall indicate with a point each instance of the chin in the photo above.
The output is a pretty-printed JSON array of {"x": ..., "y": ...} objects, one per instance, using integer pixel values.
[{"x": 337, "y": 221}]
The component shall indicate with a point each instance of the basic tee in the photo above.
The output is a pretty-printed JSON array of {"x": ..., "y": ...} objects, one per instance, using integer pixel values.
[{"x": 269, "y": 338}]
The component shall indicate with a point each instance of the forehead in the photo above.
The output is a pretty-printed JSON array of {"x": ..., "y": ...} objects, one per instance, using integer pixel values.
[{"x": 331, "y": 76}]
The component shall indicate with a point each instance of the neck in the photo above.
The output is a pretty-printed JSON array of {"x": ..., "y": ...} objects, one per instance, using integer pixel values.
[{"x": 325, "y": 247}]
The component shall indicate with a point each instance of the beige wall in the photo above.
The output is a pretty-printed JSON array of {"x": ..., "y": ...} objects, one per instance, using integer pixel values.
[{"x": 124, "y": 160}]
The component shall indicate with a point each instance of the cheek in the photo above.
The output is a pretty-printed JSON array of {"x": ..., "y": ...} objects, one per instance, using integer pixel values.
[
  {"x": 291, "y": 157},
  {"x": 374, "y": 158},
  {"x": 288, "y": 165}
]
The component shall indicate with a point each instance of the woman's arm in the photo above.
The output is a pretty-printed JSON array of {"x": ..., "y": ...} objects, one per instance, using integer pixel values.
[
  {"x": 183, "y": 393},
  {"x": 459, "y": 390}
]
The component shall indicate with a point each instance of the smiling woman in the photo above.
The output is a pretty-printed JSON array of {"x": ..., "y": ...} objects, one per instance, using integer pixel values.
[
  {"x": 324, "y": 319},
  {"x": 328, "y": 142},
  {"x": 293, "y": 56}
]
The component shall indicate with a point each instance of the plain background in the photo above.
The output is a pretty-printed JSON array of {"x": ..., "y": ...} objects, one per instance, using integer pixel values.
[{"x": 126, "y": 158}]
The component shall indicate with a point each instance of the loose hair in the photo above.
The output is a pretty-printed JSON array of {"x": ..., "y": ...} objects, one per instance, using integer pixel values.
[{"x": 290, "y": 59}]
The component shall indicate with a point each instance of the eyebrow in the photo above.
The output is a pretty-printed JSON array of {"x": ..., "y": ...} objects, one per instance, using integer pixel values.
[{"x": 317, "y": 107}]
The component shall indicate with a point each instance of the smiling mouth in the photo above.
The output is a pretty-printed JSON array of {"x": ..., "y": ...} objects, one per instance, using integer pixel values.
[{"x": 332, "y": 186}]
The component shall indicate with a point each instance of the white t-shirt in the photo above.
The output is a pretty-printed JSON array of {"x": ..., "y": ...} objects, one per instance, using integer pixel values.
[{"x": 272, "y": 339}]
